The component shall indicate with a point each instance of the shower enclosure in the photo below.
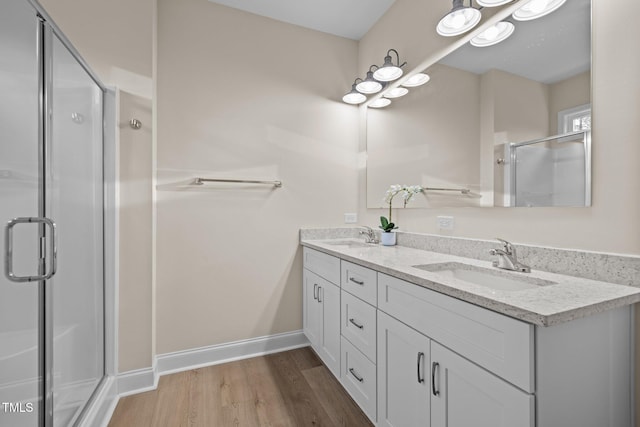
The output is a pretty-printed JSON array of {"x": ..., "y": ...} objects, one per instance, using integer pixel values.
[{"x": 52, "y": 214}]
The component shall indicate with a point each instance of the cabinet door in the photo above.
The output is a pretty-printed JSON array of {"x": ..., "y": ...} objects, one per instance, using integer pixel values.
[
  {"x": 464, "y": 395},
  {"x": 329, "y": 348},
  {"x": 311, "y": 312},
  {"x": 403, "y": 374}
]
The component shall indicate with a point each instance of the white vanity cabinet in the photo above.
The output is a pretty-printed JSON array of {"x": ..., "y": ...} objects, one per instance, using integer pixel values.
[
  {"x": 321, "y": 307},
  {"x": 403, "y": 375},
  {"x": 422, "y": 383},
  {"x": 463, "y": 395},
  {"x": 411, "y": 356}
]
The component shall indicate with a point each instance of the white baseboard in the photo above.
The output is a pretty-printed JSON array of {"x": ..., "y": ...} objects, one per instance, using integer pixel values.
[
  {"x": 138, "y": 381},
  {"x": 213, "y": 355},
  {"x": 146, "y": 379},
  {"x": 99, "y": 414}
]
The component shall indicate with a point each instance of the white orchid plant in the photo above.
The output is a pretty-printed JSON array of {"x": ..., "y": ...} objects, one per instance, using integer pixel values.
[{"x": 407, "y": 191}]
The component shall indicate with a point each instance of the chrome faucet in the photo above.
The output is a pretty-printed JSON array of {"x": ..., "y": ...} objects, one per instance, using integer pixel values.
[
  {"x": 507, "y": 258},
  {"x": 370, "y": 235}
]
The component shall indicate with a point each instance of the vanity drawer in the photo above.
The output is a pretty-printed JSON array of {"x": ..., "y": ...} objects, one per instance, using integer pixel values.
[
  {"x": 500, "y": 344},
  {"x": 359, "y": 324},
  {"x": 359, "y": 378},
  {"x": 325, "y": 266},
  {"x": 360, "y": 281}
]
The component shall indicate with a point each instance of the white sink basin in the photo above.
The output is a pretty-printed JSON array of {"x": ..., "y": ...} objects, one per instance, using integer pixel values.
[
  {"x": 349, "y": 243},
  {"x": 491, "y": 278}
]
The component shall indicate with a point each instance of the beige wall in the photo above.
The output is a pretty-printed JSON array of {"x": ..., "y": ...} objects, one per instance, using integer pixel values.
[
  {"x": 566, "y": 94},
  {"x": 521, "y": 108},
  {"x": 115, "y": 38},
  {"x": 428, "y": 139},
  {"x": 134, "y": 350},
  {"x": 615, "y": 148},
  {"x": 244, "y": 96}
]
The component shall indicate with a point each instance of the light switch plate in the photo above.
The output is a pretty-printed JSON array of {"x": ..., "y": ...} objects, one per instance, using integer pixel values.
[
  {"x": 446, "y": 222},
  {"x": 351, "y": 218}
]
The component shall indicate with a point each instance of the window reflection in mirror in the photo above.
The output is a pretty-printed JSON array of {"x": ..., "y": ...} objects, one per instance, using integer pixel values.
[{"x": 474, "y": 125}]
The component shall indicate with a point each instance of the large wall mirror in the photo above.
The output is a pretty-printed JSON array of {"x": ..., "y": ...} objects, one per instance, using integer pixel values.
[{"x": 505, "y": 125}]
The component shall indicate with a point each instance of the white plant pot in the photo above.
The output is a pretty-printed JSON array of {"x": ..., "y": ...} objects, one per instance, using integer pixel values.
[{"x": 388, "y": 238}]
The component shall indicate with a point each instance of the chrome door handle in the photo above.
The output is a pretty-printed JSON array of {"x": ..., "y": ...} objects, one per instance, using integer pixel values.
[
  {"x": 420, "y": 376},
  {"x": 8, "y": 246},
  {"x": 315, "y": 291},
  {"x": 319, "y": 291}
]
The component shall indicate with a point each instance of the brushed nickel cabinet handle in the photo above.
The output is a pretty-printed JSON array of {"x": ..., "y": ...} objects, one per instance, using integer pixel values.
[
  {"x": 356, "y": 376},
  {"x": 420, "y": 376},
  {"x": 356, "y": 324}
]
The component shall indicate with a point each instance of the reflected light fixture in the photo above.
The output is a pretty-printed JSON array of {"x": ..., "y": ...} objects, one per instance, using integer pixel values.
[
  {"x": 494, "y": 34},
  {"x": 389, "y": 71},
  {"x": 460, "y": 20},
  {"x": 380, "y": 103},
  {"x": 492, "y": 3},
  {"x": 536, "y": 9},
  {"x": 369, "y": 85},
  {"x": 417, "y": 79},
  {"x": 354, "y": 97},
  {"x": 396, "y": 92}
]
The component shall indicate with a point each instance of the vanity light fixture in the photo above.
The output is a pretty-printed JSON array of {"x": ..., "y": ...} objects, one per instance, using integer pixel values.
[
  {"x": 396, "y": 92},
  {"x": 460, "y": 20},
  {"x": 380, "y": 103},
  {"x": 492, "y": 3},
  {"x": 536, "y": 9},
  {"x": 354, "y": 97},
  {"x": 369, "y": 85},
  {"x": 389, "y": 71},
  {"x": 417, "y": 79},
  {"x": 494, "y": 34}
]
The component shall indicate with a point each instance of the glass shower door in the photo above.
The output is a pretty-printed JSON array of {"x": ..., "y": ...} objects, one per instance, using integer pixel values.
[
  {"x": 20, "y": 367},
  {"x": 75, "y": 202}
]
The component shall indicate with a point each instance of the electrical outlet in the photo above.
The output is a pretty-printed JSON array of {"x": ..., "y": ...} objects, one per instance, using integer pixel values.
[
  {"x": 351, "y": 218},
  {"x": 446, "y": 222}
]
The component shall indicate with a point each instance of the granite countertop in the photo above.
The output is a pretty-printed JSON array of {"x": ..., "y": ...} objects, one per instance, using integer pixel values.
[{"x": 569, "y": 298}]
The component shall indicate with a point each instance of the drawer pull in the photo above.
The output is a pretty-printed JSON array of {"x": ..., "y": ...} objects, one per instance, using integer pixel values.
[
  {"x": 420, "y": 376},
  {"x": 315, "y": 291},
  {"x": 356, "y": 376},
  {"x": 356, "y": 281},
  {"x": 434, "y": 365},
  {"x": 356, "y": 324},
  {"x": 319, "y": 293}
]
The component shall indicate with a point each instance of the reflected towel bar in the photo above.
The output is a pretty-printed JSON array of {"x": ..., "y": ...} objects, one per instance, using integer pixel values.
[
  {"x": 457, "y": 190},
  {"x": 201, "y": 181}
]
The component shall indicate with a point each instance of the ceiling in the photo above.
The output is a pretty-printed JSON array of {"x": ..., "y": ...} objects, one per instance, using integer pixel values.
[{"x": 345, "y": 18}]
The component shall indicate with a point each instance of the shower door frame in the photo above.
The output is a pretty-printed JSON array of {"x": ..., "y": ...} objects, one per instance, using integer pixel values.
[{"x": 105, "y": 392}]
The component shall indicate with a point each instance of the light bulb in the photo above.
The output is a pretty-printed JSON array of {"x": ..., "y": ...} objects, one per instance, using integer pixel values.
[
  {"x": 416, "y": 80},
  {"x": 537, "y": 9},
  {"x": 354, "y": 98},
  {"x": 491, "y": 33},
  {"x": 380, "y": 102},
  {"x": 396, "y": 92},
  {"x": 456, "y": 20},
  {"x": 537, "y": 6}
]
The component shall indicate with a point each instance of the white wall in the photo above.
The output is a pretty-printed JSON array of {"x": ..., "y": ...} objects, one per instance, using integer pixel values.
[
  {"x": 615, "y": 150},
  {"x": 243, "y": 96}
]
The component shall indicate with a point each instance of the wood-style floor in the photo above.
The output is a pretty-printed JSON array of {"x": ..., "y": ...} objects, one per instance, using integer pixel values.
[{"x": 291, "y": 388}]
